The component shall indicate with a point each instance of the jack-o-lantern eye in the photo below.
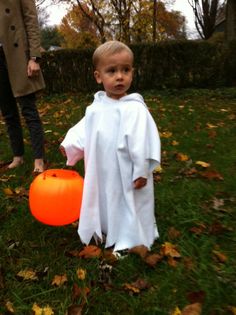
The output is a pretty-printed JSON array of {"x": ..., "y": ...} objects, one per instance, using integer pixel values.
[{"x": 55, "y": 196}]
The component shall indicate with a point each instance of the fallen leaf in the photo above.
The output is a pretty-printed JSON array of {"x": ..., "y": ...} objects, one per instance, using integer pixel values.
[
  {"x": 211, "y": 126},
  {"x": 181, "y": 157},
  {"x": 78, "y": 292},
  {"x": 211, "y": 175},
  {"x": 168, "y": 249},
  {"x": 166, "y": 134},
  {"x": 192, "y": 309},
  {"x": 141, "y": 250},
  {"x": 233, "y": 309},
  {"x": 9, "y": 307},
  {"x": 203, "y": 164},
  {"x": 8, "y": 191},
  {"x": 196, "y": 296},
  {"x": 59, "y": 280},
  {"x": 173, "y": 232},
  {"x": 81, "y": 273},
  {"x": 74, "y": 310},
  {"x": 176, "y": 311},
  {"x": 171, "y": 262},
  {"x": 220, "y": 256},
  {"x": 153, "y": 259},
  {"x": 90, "y": 251},
  {"x": 201, "y": 228},
  {"x": 28, "y": 274},
  {"x": 174, "y": 143},
  {"x": 131, "y": 288},
  {"x": 42, "y": 311},
  {"x": 189, "y": 263}
]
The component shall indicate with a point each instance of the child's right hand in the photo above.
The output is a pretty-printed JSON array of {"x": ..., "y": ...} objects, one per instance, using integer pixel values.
[{"x": 63, "y": 151}]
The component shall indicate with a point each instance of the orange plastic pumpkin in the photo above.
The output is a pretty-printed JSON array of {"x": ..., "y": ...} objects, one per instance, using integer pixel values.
[{"x": 55, "y": 196}]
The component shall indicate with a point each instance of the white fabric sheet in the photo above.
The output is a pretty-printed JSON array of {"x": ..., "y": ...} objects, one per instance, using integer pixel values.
[{"x": 119, "y": 142}]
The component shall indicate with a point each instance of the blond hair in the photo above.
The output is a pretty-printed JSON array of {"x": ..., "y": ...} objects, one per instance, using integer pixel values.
[{"x": 109, "y": 48}]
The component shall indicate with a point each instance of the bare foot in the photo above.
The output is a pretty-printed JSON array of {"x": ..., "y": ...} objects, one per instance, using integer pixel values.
[
  {"x": 38, "y": 166},
  {"x": 17, "y": 161}
]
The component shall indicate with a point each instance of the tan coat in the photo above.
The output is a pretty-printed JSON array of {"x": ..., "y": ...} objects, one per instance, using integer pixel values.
[{"x": 19, "y": 35}]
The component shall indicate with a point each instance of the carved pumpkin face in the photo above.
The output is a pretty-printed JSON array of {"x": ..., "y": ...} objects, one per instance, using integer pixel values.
[{"x": 55, "y": 197}]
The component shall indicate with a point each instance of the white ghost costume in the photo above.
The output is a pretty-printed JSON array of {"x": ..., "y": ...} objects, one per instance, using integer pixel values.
[{"x": 119, "y": 142}]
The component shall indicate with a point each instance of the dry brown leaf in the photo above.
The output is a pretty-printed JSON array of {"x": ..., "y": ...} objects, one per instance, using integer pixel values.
[
  {"x": 153, "y": 259},
  {"x": 78, "y": 292},
  {"x": 59, "y": 280},
  {"x": 141, "y": 250},
  {"x": 220, "y": 256},
  {"x": 192, "y": 309},
  {"x": 189, "y": 263},
  {"x": 211, "y": 175},
  {"x": 196, "y": 297},
  {"x": 109, "y": 257},
  {"x": 168, "y": 249},
  {"x": 172, "y": 262},
  {"x": 201, "y": 228},
  {"x": 10, "y": 307},
  {"x": 173, "y": 232},
  {"x": 90, "y": 251},
  {"x": 8, "y": 191},
  {"x": 74, "y": 310}
]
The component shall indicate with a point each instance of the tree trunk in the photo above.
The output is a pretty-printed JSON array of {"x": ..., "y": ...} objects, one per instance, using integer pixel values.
[{"x": 230, "y": 32}]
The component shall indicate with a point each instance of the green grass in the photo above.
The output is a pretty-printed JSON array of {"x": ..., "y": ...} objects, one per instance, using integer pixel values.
[{"x": 203, "y": 124}]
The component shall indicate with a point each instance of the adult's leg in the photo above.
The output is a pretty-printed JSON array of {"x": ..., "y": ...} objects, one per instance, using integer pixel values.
[
  {"x": 34, "y": 124},
  {"x": 9, "y": 110}
]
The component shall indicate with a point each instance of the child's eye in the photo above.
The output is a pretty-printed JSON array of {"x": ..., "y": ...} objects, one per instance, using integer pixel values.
[
  {"x": 111, "y": 70},
  {"x": 126, "y": 70}
]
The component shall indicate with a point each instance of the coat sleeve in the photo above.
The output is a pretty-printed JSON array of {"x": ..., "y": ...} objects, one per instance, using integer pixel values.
[
  {"x": 30, "y": 19},
  {"x": 74, "y": 143},
  {"x": 143, "y": 142}
]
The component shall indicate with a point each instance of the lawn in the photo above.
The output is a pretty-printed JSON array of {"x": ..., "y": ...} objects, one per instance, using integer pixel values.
[{"x": 191, "y": 268}]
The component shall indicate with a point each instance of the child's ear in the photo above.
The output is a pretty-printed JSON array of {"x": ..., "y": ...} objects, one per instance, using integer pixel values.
[{"x": 97, "y": 76}]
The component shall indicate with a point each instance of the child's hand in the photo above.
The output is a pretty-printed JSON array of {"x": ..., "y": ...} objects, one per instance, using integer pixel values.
[
  {"x": 140, "y": 182},
  {"x": 63, "y": 151}
]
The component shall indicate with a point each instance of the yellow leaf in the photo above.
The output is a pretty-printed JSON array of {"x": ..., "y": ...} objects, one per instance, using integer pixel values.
[
  {"x": 130, "y": 287},
  {"x": 165, "y": 134},
  {"x": 28, "y": 274},
  {"x": 211, "y": 126},
  {"x": 176, "y": 311},
  {"x": 203, "y": 164},
  {"x": 158, "y": 169},
  {"x": 181, "y": 157},
  {"x": 81, "y": 273},
  {"x": 42, "y": 311},
  {"x": 174, "y": 143},
  {"x": 8, "y": 191},
  {"x": 233, "y": 309},
  {"x": 59, "y": 280},
  {"x": 37, "y": 310},
  {"x": 9, "y": 306}
]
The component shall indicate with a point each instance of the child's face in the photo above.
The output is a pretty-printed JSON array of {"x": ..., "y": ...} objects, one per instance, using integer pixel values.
[{"x": 115, "y": 72}]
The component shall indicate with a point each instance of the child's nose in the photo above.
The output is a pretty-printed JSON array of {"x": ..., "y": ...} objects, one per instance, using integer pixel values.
[{"x": 119, "y": 75}]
